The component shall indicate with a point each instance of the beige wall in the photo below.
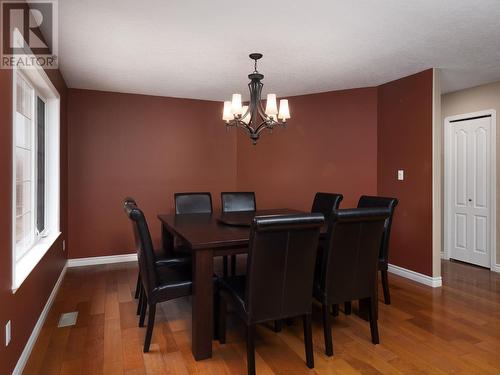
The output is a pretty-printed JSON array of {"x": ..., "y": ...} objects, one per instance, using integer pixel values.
[{"x": 472, "y": 100}]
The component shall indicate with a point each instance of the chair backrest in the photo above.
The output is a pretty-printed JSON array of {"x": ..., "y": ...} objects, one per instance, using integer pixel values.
[
  {"x": 238, "y": 201},
  {"x": 349, "y": 264},
  {"x": 390, "y": 203},
  {"x": 144, "y": 246},
  {"x": 193, "y": 203},
  {"x": 326, "y": 203},
  {"x": 280, "y": 266}
]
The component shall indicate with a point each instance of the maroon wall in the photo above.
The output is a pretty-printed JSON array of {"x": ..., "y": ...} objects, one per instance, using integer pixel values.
[
  {"x": 143, "y": 146},
  {"x": 405, "y": 142},
  {"x": 24, "y": 307},
  {"x": 329, "y": 145}
]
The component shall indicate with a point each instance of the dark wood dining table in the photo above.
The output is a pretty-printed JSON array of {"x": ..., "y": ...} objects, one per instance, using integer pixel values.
[{"x": 207, "y": 236}]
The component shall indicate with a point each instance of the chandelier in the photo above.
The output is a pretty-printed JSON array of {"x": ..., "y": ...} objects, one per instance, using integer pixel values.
[{"x": 252, "y": 117}]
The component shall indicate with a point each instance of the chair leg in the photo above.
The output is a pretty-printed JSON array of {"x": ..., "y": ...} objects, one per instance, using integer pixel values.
[
  {"x": 141, "y": 298},
  {"x": 347, "y": 308},
  {"x": 151, "y": 324},
  {"x": 308, "y": 342},
  {"x": 222, "y": 320},
  {"x": 373, "y": 321},
  {"x": 335, "y": 310},
  {"x": 224, "y": 265},
  {"x": 327, "y": 331},
  {"x": 278, "y": 325},
  {"x": 138, "y": 286},
  {"x": 250, "y": 350},
  {"x": 385, "y": 287},
  {"x": 144, "y": 305}
]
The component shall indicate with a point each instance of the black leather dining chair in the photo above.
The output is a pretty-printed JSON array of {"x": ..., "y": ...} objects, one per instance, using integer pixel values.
[
  {"x": 236, "y": 202},
  {"x": 161, "y": 258},
  {"x": 279, "y": 279},
  {"x": 159, "y": 283},
  {"x": 349, "y": 264},
  {"x": 383, "y": 257},
  {"x": 193, "y": 203},
  {"x": 326, "y": 203}
]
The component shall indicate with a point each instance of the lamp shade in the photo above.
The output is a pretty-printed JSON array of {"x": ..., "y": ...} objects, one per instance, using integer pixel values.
[
  {"x": 236, "y": 108},
  {"x": 226, "y": 114},
  {"x": 271, "y": 106},
  {"x": 284, "y": 113}
]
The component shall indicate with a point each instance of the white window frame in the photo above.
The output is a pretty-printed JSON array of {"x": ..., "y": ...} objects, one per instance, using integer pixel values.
[{"x": 43, "y": 87}]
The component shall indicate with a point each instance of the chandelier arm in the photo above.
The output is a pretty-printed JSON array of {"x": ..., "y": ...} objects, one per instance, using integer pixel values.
[
  {"x": 240, "y": 124},
  {"x": 263, "y": 125}
]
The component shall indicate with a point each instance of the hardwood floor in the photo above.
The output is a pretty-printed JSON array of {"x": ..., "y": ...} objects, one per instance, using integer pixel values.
[{"x": 450, "y": 330}]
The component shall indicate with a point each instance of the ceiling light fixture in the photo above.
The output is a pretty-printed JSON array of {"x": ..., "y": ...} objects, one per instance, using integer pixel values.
[{"x": 253, "y": 118}]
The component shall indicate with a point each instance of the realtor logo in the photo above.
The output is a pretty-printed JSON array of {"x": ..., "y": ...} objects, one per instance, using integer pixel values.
[{"x": 29, "y": 34}]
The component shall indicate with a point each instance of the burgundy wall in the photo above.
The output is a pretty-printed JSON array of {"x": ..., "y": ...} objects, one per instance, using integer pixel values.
[
  {"x": 143, "y": 146},
  {"x": 405, "y": 142},
  {"x": 329, "y": 145},
  {"x": 24, "y": 307}
]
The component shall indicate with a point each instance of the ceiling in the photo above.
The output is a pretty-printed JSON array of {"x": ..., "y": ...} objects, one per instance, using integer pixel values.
[{"x": 199, "y": 49}]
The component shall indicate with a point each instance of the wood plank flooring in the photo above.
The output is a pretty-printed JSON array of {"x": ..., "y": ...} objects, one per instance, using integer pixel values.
[{"x": 450, "y": 330}]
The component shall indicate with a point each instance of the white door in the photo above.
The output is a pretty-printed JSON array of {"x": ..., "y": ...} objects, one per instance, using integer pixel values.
[{"x": 470, "y": 189}]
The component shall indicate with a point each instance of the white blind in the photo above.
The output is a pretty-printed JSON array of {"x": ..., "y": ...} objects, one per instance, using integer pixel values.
[{"x": 24, "y": 143}]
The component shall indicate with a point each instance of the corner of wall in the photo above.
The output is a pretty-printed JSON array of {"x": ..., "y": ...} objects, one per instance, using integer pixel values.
[{"x": 437, "y": 175}]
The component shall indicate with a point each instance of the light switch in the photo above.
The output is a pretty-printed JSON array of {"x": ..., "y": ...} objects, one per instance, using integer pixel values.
[
  {"x": 7, "y": 333},
  {"x": 401, "y": 174}
]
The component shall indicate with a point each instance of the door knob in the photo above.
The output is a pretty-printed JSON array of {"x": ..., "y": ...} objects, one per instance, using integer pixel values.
[{"x": 470, "y": 200}]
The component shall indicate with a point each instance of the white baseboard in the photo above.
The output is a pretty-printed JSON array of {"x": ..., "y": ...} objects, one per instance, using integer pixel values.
[
  {"x": 495, "y": 268},
  {"x": 23, "y": 359},
  {"x": 80, "y": 262},
  {"x": 434, "y": 282}
]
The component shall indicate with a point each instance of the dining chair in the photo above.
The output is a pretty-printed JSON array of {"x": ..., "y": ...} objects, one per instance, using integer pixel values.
[
  {"x": 236, "y": 202},
  {"x": 349, "y": 264},
  {"x": 325, "y": 203},
  {"x": 160, "y": 256},
  {"x": 279, "y": 278},
  {"x": 159, "y": 283},
  {"x": 193, "y": 203},
  {"x": 383, "y": 257}
]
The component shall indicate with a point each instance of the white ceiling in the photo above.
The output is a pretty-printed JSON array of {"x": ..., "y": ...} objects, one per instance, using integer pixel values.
[{"x": 199, "y": 48}]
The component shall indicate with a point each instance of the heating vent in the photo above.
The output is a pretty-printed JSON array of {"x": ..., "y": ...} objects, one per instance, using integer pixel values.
[{"x": 68, "y": 319}]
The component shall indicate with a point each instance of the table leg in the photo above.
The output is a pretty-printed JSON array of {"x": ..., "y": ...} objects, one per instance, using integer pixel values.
[
  {"x": 202, "y": 314},
  {"x": 167, "y": 241}
]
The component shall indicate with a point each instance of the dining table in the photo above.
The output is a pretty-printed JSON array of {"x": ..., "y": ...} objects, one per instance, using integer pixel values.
[{"x": 205, "y": 236}]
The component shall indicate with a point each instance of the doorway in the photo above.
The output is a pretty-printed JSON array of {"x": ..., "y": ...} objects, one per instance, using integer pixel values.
[{"x": 470, "y": 188}]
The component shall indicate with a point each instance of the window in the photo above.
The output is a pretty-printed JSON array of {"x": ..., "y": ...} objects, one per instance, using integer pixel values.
[{"x": 35, "y": 169}]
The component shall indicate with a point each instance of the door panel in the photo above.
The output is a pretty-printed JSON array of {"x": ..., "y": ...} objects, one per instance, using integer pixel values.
[{"x": 471, "y": 201}]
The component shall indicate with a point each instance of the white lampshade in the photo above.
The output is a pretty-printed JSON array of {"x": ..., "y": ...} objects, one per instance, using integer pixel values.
[
  {"x": 284, "y": 113},
  {"x": 271, "y": 106},
  {"x": 226, "y": 114},
  {"x": 245, "y": 119},
  {"x": 236, "y": 108}
]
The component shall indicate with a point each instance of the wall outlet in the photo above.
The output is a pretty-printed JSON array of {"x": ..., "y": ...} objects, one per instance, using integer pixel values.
[
  {"x": 7, "y": 333},
  {"x": 64, "y": 245},
  {"x": 401, "y": 174}
]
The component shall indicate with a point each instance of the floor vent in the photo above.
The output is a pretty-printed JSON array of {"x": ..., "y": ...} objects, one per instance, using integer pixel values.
[{"x": 68, "y": 319}]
